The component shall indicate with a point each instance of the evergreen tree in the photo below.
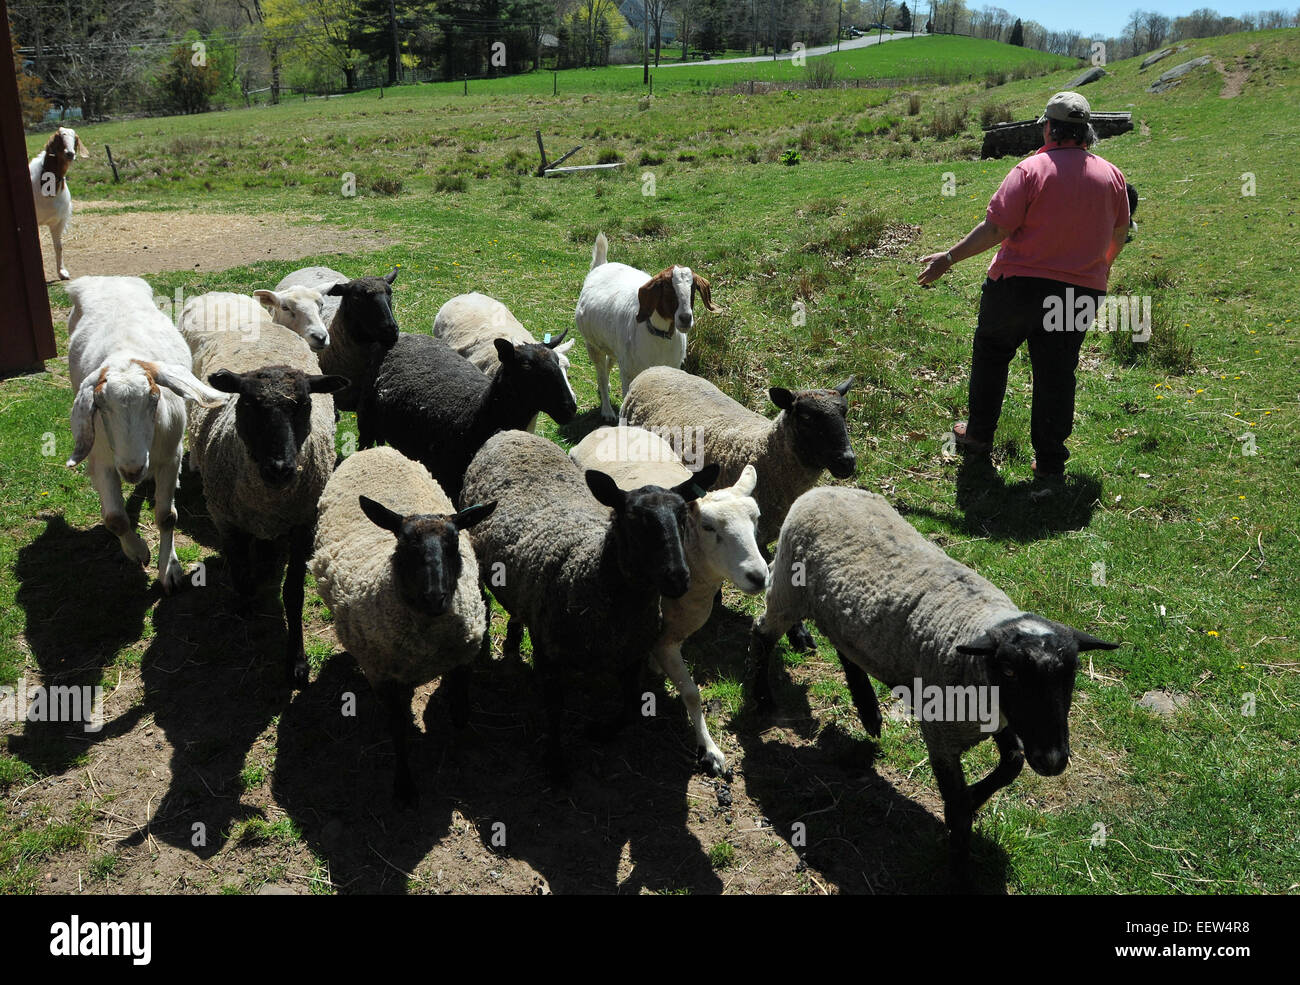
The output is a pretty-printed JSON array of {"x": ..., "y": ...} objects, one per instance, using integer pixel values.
[
  {"x": 904, "y": 20},
  {"x": 1018, "y": 34}
]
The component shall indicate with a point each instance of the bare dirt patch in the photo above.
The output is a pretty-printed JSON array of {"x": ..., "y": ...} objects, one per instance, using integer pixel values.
[
  {"x": 107, "y": 238},
  {"x": 1234, "y": 80}
]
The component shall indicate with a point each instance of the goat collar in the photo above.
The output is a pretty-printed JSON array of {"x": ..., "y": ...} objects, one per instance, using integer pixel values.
[{"x": 654, "y": 331}]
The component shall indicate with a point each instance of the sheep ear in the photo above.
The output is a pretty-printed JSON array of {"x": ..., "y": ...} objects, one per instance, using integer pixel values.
[
  {"x": 747, "y": 482},
  {"x": 1090, "y": 642},
  {"x": 183, "y": 383},
  {"x": 389, "y": 278},
  {"x": 268, "y": 300},
  {"x": 336, "y": 290},
  {"x": 565, "y": 347},
  {"x": 505, "y": 351},
  {"x": 226, "y": 381},
  {"x": 982, "y": 646},
  {"x": 471, "y": 515},
  {"x": 782, "y": 397},
  {"x": 698, "y": 484},
  {"x": 83, "y": 420},
  {"x": 381, "y": 516},
  {"x": 701, "y": 285},
  {"x": 843, "y": 388},
  {"x": 605, "y": 490},
  {"x": 326, "y": 384}
]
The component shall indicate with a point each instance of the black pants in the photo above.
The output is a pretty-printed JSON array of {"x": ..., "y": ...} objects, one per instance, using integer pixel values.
[{"x": 1012, "y": 311}]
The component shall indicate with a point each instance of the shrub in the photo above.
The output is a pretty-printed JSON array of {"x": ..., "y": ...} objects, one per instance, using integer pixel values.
[
  {"x": 609, "y": 156},
  {"x": 992, "y": 113},
  {"x": 450, "y": 183},
  {"x": 821, "y": 73},
  {"x": 790, "y": 156},
  {"x": 914, "y": 104},
  {"x": 994, "y": 78},
  {"x": 948, "y": 122},
  {"x": 648, "y": 159},
  {"x": 387, "y": 185}
]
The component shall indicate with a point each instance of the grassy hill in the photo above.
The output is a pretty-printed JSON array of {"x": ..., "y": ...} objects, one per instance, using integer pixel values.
[{"x": 1167, "y": 535}]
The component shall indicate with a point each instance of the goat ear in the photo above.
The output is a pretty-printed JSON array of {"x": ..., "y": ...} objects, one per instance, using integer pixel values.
[
  {"x": 182, "y": 382},
  {"x": 747, "y": 482},
  {"x": 268, "y": 300},
  {"x": 782, "y": 397},
  {"x": 83, "y": 420},
  {"x": 646, "y": 300},
  {"x": 389, "y": 278},
  {"x": 381, "y": 516},
  {"x": 326, "y": 384},
  {"x": 471, "y": 515},
  {"x": 80, "y": 148},
  {"x": 701, "y": 285},
  {"x": 844, "y": 387},
  {"x": 505, "y": 351},
  {"x": 605, "y": 490},
  {"x": 226, "y": 381},
  {"x": 1089, "y": 642},
  {"x": 982, "y": 646}
]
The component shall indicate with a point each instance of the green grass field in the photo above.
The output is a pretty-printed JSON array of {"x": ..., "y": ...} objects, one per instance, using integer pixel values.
[{"x": 1176, "y": 531}]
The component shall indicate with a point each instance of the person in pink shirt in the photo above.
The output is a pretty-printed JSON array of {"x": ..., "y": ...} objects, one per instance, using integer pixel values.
[{"x": 1061, "y": 217}]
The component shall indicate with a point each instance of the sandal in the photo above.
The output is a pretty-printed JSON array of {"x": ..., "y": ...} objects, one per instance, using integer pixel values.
[{"x": 978, "y": 447}]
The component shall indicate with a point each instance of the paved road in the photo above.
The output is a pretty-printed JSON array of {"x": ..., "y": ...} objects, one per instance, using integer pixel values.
[{"x": 851, "y": 43}]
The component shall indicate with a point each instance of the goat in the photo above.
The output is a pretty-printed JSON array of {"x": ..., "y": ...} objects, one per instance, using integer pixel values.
[{"x": 49, "y": 172}]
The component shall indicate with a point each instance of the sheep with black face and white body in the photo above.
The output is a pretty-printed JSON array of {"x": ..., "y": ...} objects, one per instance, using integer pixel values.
[
  {"x": 432, "y": 404},
  {"x": 634, "y": 319},
  {"x": 48, "y": 171},
  {"x": 899, "y": 609},
  {"x": 265, "y": 456},
  {"x": 580, "y": 561},
  {"x": 471, "y": 324},
  {"x": 394, "y": 563},
  {"x": 720, "y": 546},
  {"x": 358, "y": 314},
  {"x": 131, "y": 373}
]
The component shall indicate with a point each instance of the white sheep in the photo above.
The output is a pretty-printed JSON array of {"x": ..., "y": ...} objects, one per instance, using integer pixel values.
[
  {"x": 359, "y": 316},
  {"x": 719, "y": 542},
  {"x": 265, "y": 456},
  {"x": 580, "y": 562},
  {"x": 409, "y": 610},
  {"x": 970, "y": 662},
  {"x": 635, "y": 319},
  {"x": 130, "y": 370},
  {"x": 296, "y": 308},
  {"x": 470, "y": 323}
]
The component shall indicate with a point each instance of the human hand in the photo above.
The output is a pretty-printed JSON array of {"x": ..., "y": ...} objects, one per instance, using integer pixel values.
[{"x": 937, "y": 264}]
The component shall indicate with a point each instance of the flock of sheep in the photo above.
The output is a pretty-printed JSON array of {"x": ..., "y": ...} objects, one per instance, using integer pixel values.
[{"x": 610, "y": 555}]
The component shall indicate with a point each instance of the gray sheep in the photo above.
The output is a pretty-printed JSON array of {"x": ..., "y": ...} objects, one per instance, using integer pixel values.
[
  {"x": 897, "y": 608},
  {"x": 581, "y": 562},
  {"x": 397, "y": 569},
  {"x": 359, "y": 315},
  {"x": 265, "y": 456}
]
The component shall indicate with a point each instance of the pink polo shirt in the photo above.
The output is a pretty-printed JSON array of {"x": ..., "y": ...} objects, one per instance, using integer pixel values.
[{"x": 1061, "y": 206}]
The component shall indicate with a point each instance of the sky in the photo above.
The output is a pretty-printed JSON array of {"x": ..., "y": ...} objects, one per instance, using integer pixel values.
[{"x": 1106, "y": 18}]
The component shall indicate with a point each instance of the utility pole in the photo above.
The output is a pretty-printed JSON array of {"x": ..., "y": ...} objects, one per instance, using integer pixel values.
[
  {"x": 645, "y": 45},
  {"x": 839, "y": 26},
  {"x": 396, "y": 73}
]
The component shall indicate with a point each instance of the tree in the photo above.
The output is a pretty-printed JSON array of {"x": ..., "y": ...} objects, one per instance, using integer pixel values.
[
  {"x": 904, "y": 20},
  {"x": 1017, "y": 34},
  {"x": 318, "y": 31},
  {"x": 190, "y": 80},
  {"x": 34, "y": 105}
]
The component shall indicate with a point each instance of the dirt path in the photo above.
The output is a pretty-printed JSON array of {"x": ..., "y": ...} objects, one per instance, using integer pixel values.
[{"x": 110, "y": 238}]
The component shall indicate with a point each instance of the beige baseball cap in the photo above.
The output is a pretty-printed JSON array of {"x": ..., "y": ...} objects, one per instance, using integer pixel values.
[{"x": 1068, "y": 107}]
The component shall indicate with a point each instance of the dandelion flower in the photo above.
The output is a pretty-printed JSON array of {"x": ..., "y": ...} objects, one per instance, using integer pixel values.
[{"x": 1211, "y": 632}]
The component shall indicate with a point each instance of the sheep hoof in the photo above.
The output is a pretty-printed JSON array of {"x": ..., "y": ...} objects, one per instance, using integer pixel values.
[
  {"x": 801, "y": 639},
  {"x": 299, "y": 671},
  {"x": 63, "y": 274},
  {"x": 173, "y": 577}
]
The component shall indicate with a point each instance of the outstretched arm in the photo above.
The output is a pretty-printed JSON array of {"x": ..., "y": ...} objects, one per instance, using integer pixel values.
[{"x": 983, "y": 237}]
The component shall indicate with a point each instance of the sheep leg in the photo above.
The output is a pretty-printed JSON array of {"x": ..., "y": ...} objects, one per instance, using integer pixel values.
[
  {"x": 1008, "y": 768},
  {"x": 958, "y": 812},
  {"x": 457, "y": 683},
  {"x": 864, "y": 695},
  {"x": 758, "y": 680},
  {"x": 553, "y": 700},
  {"x": 396, "y": 700},
  {"x": 706, "y": 750},
  {"x": 56, "y": 236},
  {"x": 602, "y": 361},
  {"x": 514, "y": 637},
  {"x": 166, "y": 481},
  {"x": 112, "y": 509},
  {"x": 237, "y": 548},
  {"x": 295, "y": 573}
]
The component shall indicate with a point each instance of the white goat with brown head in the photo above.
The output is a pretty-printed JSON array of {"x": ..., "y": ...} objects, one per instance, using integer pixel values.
[{"x": 49, "y": 172}]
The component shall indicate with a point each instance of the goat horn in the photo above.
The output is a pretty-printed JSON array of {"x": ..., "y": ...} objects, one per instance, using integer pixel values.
[{"x": 554, "y": 342}]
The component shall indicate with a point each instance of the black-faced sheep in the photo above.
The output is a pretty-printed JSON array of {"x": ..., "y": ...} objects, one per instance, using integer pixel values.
[
  {"x": 397, "y": 569},
  {"x": 581, "y": 562},
  {"x": 435, "y": 406},
  {"x": 265, "y": 457},
  {"x": 899, "y": 609}
]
